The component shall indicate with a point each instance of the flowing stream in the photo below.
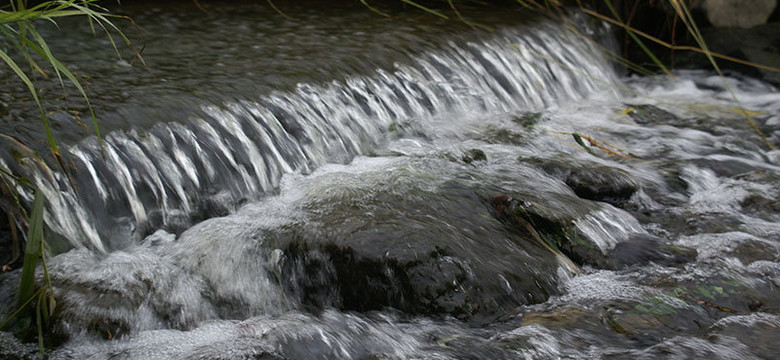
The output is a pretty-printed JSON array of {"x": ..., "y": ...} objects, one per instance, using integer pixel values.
[{"x": 344, "y": 186}]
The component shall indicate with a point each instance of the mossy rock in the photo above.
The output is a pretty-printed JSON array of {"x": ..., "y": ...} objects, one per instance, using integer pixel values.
[
  {"x": 554, "y": 225},
  {"x": 557, "y": 226}
]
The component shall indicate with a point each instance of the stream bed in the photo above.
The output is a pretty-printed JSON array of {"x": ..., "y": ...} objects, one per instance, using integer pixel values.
[{"x": 432, "y": 192}]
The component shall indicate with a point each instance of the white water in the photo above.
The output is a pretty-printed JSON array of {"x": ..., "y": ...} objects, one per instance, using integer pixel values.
[{"x": 240, "y": 150}]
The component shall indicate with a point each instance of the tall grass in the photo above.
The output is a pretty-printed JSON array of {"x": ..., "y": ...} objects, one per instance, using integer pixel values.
[
  {"x": 26, "y": 52},
  {"x": 32, "y": 306}
]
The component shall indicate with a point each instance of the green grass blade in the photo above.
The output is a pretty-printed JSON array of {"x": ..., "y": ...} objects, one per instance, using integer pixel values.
[
  {"x": 426, "y": 9},
  {"x": 39, "y": 321},
  {"x": 25, "y": 79},
  {"x": 374, "y": 9},
  {"x": 32, "y": 251},
  {"x": 46, "y": 52},
  {"x": 26, "y": 43},
  {"x": 685, "y": 14},
  {"x": 102, "y": 19},
  {"x": 638, "y": 41}
]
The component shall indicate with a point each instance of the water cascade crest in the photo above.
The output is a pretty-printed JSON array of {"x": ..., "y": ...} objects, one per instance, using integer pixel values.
[{"x": 141, "y": 180}]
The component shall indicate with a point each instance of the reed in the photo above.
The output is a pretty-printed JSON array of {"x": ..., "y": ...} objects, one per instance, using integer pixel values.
[
  {"x": 26, "y": 53},
  {"x": 33, "y": 304}
]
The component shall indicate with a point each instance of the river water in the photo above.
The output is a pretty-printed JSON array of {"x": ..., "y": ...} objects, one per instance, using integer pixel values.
[{"x": 345, "y": 186}]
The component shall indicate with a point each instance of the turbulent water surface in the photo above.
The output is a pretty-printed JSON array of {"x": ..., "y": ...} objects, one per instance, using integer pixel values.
[{"x": 349, "y": 187}]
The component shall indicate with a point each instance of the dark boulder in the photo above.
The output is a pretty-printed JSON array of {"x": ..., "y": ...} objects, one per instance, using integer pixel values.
[
  {"x": 590, "y": 181},
  {"x": 643, "y": 248},
  {"x": 418, "y": 248}
]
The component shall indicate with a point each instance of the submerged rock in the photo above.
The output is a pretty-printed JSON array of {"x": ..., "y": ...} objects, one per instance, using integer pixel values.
[
  {"x": 579, "y": 232},
  {"x": 413, "y": 243},
  {"x": 643, "y": 249},
  {"x": 645, "y": 114},
  {"x": 751, "y": 251},
  {"x": 472, "y": 155},
  {"x": 591, "y": 181},
  {"x": 648, "y": 321},
  {"x": 760, "y": 330}
]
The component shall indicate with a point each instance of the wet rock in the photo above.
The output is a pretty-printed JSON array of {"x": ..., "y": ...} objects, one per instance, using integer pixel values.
[
  {"x": 643, "y": 249},
  {"x": 717, "y": 292},
  {"x": 580, "y": 229},
  {"x": 762, "y": 204},
  {"x": 649, "y": 115},
  {"x": 159, "y": 238},
  {"x": 527, "y": 120},
  {"x": 472, "y": 155},
  {"x": 448, "y": 156},
  {"x": 437, "y": 282},
  {"x": 551, "y": 227},
  {"x": 9, "y": 249},
  {"x": 602, "y": 184},
  {"x": 690, "y": 222},
  {"x": 651, "y": 320},
  {"x": 141, "y": 291},
  {"x": 501, "y": 135},
  {"x": 725, "y": 167},
  {"x": 721, "y": 296},
  {"x": 774, "y": 155},
  {"x": 751, "y": 251},
  {"x": 9, "y": 289},
  {"x": 413, "y": 247},
  {"x": 564, "y": 332},
  {"x": 591, "y": 181},
  {"x": 559, "y": 318},
  {"x": 759, "y": 330}
]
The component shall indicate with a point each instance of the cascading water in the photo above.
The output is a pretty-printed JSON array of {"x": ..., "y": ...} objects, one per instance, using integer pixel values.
[
  {"x": 144, "y": 179},
  {"x": 491, "y": 195}
]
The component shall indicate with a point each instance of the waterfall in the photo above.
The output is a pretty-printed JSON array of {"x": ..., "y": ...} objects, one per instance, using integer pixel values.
[{"x": 136, "y": 181}]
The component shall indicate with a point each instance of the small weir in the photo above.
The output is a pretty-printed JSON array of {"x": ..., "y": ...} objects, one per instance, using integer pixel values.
[
  {"x": 140, "y": 180},
  {"x": 453, "y": 194}
]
